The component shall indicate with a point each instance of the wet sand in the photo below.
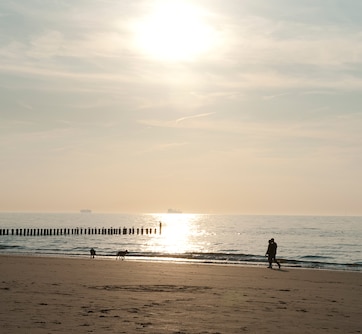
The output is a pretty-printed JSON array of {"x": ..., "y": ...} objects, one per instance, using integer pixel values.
[{"x": 57, "y": 295}]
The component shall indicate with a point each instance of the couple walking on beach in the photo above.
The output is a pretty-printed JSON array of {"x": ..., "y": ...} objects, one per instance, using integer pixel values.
[{"x": 272, "y": 252}]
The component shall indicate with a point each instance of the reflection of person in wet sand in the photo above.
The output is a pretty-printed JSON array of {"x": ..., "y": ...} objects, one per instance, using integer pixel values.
[
  {"x": 272, "y": 252},
  {"x": 92, "y": 253}
]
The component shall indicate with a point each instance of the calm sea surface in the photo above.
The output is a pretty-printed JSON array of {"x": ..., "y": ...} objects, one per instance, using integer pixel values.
[{"x": 303, "y": 241}]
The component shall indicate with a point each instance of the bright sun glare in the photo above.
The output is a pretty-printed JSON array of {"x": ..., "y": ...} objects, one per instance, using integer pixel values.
[
  {"x": 177, "y": 232},
  {"x": 174, "y": 30}
]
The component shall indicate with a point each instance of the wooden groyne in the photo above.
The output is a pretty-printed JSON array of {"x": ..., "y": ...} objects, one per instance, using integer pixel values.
[{"x": 79, "y": 231}]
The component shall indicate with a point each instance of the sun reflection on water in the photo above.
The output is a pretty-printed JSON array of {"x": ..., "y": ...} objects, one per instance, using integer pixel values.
[{"x": 177, "y": 232}]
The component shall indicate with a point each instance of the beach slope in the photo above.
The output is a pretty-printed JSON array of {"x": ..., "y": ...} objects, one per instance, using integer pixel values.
[{"x": 57, "y": 295}]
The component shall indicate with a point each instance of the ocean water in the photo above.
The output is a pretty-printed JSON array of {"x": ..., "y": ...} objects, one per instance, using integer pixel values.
[{"x": 303, "y": 241}]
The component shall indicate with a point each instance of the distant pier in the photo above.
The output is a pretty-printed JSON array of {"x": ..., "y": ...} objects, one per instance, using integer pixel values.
[{"x": 80, "y": 231}]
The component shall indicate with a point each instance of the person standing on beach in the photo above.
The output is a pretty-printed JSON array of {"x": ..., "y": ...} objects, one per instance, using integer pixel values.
[
  {"x": 272, "y": 252},
  {"x": 92, "y": 252}
]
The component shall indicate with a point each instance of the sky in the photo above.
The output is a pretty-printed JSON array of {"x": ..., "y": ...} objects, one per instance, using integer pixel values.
[{"x": 206, "y": 106}]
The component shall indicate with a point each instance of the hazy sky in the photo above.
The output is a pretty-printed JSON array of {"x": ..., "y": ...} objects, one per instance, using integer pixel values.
[{"x": 208, "y": 106}]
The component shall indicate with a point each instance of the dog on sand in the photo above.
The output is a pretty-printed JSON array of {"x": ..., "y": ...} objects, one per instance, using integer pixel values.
[{"x": 121, "y": 254}]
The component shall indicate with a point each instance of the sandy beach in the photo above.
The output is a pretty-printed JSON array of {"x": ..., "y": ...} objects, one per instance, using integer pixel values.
[{"x": 58, "y": 295}]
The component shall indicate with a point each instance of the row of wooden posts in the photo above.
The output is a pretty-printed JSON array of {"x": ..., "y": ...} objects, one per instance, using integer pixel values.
[{"x": 79, "y": 231}]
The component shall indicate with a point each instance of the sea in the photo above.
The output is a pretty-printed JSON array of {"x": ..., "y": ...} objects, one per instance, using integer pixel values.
[{"x": 323, "y": 242}]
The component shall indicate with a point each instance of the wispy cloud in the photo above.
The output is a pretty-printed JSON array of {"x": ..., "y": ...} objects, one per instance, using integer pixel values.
[{"x": 182, "y": 119}]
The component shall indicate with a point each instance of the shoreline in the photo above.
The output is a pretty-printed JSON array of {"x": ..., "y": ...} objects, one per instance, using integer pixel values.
[
  {"x": 287, "y": 264},
  {"x": 52, "y": 294}
]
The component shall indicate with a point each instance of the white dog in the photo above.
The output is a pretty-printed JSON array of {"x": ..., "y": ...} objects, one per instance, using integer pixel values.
[{"x": 121, "y": 254}]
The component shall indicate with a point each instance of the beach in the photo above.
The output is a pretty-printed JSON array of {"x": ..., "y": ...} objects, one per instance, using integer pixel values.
[{"x": 41, "y": 294}]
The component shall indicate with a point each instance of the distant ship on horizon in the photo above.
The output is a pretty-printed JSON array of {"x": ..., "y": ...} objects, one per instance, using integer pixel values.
[
  {"x": 85, "y": 211},
  {"x": 173, "y": 211}
]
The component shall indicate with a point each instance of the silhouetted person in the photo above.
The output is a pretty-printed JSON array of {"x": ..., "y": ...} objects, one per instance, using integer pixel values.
[
  {"x": 272, "y": 252},
  {"x": 92, "y": 253}
]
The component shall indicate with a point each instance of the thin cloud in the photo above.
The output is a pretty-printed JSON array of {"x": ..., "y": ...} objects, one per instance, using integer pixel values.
[
  {"x": 194, "y": 116},
  {"x": 28, "y": 69},
  {"x": 180, "y": 122}
]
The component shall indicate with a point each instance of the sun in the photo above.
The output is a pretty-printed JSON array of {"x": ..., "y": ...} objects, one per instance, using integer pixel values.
[{"x": 173, "y": 30}]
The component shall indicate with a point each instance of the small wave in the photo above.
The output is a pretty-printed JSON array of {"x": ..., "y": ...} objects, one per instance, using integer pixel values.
[
  {"x": 250, "y": 259},
  {"x": 315, "y": 257},
  {"x": 9, "y": 247},
  {"x": 228, "y": 251}
]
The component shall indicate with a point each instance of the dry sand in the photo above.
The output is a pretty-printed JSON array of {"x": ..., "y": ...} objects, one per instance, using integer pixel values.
[{"x": 56, "y": 295}]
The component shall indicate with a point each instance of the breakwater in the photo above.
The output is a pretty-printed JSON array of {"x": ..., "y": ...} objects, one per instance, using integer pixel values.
[{"x": 80, "y": 231}]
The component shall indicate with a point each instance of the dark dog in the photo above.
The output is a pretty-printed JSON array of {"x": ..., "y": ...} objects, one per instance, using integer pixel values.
[{"x": 121, "y": 254}]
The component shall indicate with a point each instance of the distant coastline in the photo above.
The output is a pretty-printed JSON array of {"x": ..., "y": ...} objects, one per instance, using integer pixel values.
[{"x": 86, "y": 211}]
